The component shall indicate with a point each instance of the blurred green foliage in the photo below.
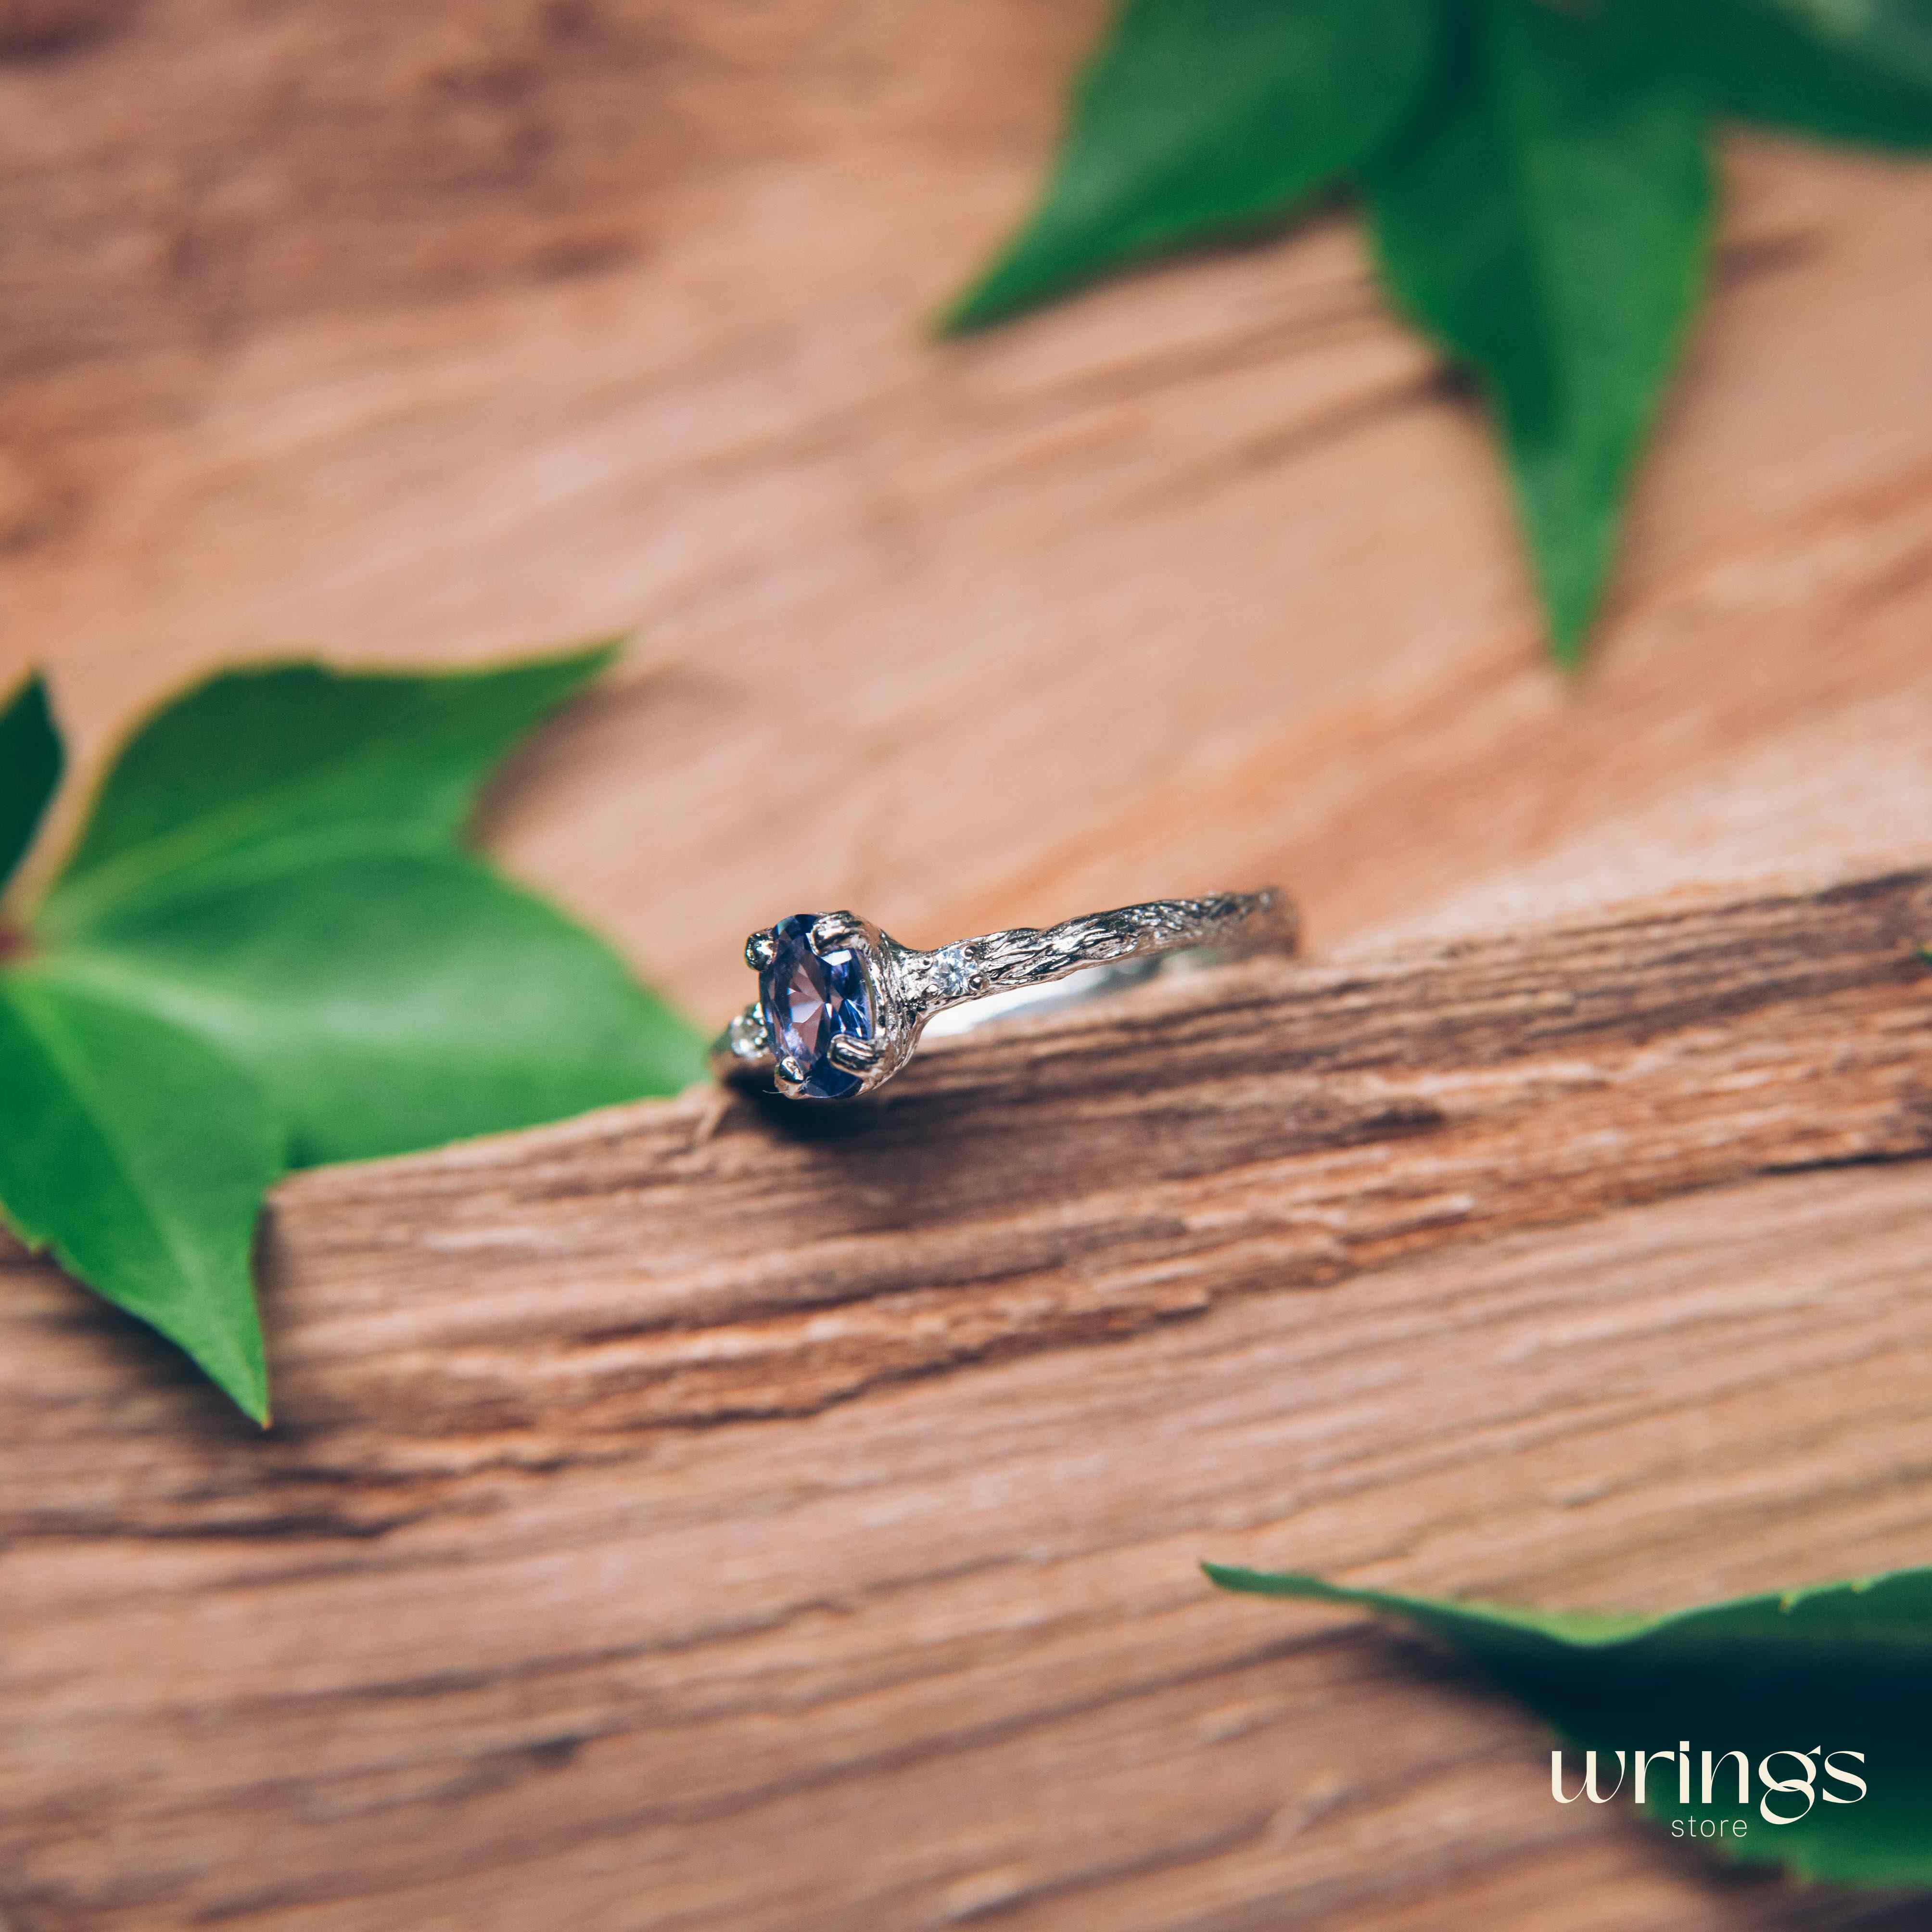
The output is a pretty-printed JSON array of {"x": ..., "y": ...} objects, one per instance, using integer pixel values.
[
  {"x": 1825, "y": 1693},
  {"x": 1536, "y": 174}
]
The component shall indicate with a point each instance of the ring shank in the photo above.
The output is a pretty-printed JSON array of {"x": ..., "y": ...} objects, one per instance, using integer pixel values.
[
  {"x": 1006, "y": 962},
  {"x": 998, "y": 968},
  {"x": 1077, "y": 988}
]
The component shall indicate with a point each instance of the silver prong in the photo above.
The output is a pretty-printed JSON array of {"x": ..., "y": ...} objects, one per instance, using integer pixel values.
[
  {"x": 788, "y": 1076},
  {"x": 832, "y": 931},
  {"x": 855, "y": 1057},
  {"x": 760, "y": 950}
]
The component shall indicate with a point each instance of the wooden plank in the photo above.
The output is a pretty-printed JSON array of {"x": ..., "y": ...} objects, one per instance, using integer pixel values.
[
  {"x": 706, "y": 1523},
  {"x": 641, "y": 1546},
  {"x": 465, "y": 327}
]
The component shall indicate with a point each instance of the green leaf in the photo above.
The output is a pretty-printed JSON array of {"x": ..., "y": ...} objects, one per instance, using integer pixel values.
[
  {"x": 267, "y": 769},
  {"x": 1204, "y": 116},
  {"x": 1842, "y": 1669},
  {"x": 31, "y": 758},
  {"x": 139, "y": 1156},
  {"x": 268, "y": 948},
  {"x": 396, "y": 1000},
  {"x": 1847, "y": 70},
  {"x": 1548, "y": 220},
  {"x": 1539, "y": 175}
]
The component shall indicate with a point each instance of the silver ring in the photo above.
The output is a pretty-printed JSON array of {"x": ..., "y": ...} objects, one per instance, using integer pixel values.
[{"x": 841, "y": 1006}]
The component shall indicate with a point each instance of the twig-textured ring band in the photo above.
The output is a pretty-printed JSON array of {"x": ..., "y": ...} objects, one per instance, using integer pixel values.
[{"x": 841, "y": 1005}]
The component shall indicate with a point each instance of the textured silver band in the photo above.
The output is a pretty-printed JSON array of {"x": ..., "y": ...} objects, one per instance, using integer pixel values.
[{"x": 910, "y": 988}]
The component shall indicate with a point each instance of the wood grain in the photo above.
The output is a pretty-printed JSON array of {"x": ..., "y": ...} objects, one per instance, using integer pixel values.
[
  {"x": 432, "y": 331},
  {"x": 707, "y": 1523},
  {"x": 672, "y": 1522}
]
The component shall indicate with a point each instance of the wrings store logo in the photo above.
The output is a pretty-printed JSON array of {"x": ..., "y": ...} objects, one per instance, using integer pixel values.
[{"x": 1786, "y": 1785}]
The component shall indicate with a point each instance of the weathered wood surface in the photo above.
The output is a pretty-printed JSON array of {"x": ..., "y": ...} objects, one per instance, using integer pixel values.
[
  {"x": 638, "y": 1547},
  {"x": 426, "y": 331},
  {"x": 676, "y": 1519}
]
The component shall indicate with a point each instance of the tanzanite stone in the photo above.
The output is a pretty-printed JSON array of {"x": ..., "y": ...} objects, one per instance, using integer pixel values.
[{"x": 810, "y": 998}]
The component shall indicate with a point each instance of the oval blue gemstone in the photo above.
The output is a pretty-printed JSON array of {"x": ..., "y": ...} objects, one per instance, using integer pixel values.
[{"x": 810, "y": 998}]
